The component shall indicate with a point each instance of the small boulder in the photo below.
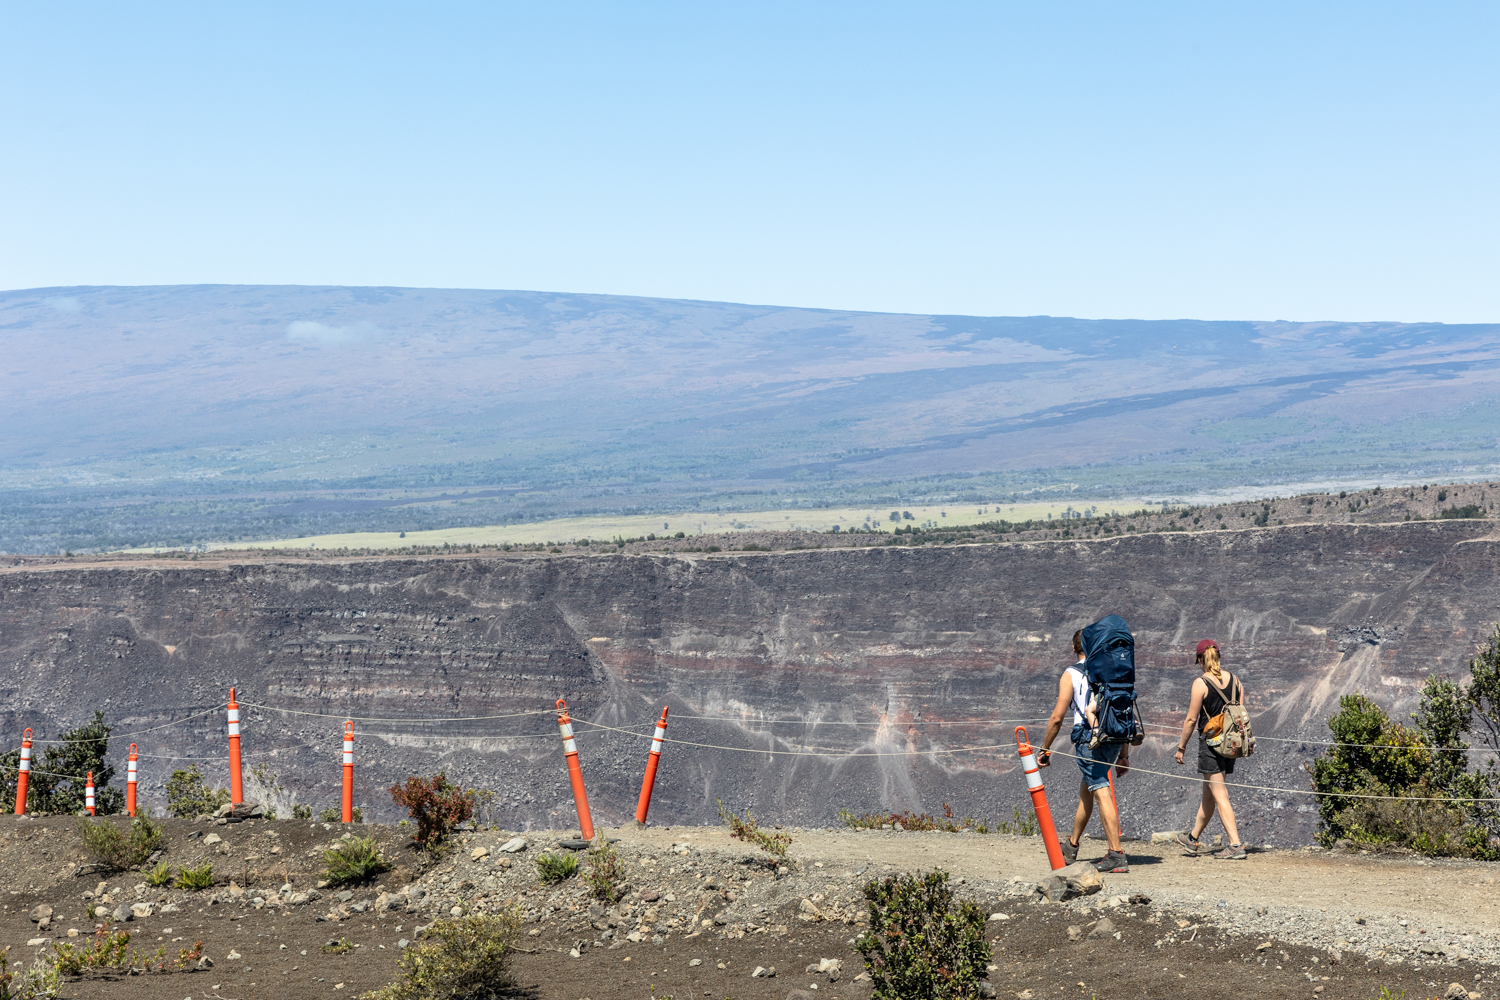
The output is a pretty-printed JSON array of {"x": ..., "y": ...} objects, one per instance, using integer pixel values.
[
  {"x": 761, "y": 972},
  {"x": 1000, "y": 916},
  {"x": 1456, "y": 991},
  {"x": 345, "y": 895},
  {"x": 234, "y": 956},
  {"x": 650, "y": 896},
  {"x": 40, "y": 912},
  {"x": 140, "y": 910},
  {"x": 37, "y": 942},
  {"x": 1075, "y": 932},
  {"x": 123, "y": 914},
  {"x": 694, "y": 963},
  {"x": 1104, "y": 928},
  {"x": 205, "y": 962},
  {"x": 212, "y": 838},
  {"x": 513, "y": 845},
  {"x": 479, "y": 852},
  {"x": 1078, "y": 879}
]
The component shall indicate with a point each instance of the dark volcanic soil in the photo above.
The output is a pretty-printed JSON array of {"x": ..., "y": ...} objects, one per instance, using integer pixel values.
[{"x": 1177, "y": 944}]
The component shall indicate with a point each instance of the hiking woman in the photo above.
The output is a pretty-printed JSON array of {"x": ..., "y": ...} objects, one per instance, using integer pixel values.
[{"x": 1212, "y": 690}]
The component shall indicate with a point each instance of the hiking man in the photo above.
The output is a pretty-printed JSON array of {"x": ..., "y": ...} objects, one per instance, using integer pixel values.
[{"x": 1073, "y": 692}]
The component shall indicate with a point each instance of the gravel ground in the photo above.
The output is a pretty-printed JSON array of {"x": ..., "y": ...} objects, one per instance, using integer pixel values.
[{"x": 1282, "y": 923}]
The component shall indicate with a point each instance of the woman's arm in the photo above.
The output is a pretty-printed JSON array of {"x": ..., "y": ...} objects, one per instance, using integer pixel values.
[{"x": 1200, "y": 690}]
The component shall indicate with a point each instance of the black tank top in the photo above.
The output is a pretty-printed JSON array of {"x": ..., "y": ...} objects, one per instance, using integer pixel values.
[{"x": 1213, "y": 702}]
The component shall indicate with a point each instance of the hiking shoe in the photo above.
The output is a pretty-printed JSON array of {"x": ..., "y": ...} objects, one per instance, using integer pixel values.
[
  {"x": 1235, "y": 852},
  {"x": 1113, "y": 862},
  {"x": 1069, "y": 850},
  {"x": 1191, "y": 844}
]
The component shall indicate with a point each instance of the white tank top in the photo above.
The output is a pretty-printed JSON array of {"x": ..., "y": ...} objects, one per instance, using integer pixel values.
[{"x": 1080, "y": 694}]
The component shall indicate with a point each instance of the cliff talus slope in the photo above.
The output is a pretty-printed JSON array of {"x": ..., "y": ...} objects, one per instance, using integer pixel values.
[{"x": 820, "y": 655}]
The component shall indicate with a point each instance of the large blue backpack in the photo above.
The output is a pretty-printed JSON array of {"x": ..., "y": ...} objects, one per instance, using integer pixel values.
[{"x": 1109, "y": 649}]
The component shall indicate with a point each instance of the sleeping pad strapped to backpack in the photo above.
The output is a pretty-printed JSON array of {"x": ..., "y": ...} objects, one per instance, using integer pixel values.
[{"x": 1110, "y": 666}]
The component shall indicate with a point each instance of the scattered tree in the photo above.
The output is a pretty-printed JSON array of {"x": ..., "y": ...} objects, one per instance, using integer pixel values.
[{"x": 436, "y": 805}]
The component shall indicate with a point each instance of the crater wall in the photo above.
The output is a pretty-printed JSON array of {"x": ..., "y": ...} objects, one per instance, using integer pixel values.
[{"x": 882, "y": 677}]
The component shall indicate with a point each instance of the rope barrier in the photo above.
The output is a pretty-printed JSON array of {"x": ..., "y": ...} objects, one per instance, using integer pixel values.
[
  {"x": 799, "y": 753},
  {"x": 138, "y": 732},
  {"x": 403, "y": 718}
]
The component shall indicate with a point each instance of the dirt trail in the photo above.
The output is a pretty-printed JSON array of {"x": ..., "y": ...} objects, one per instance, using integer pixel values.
[{"x": 1319, "y": 895}]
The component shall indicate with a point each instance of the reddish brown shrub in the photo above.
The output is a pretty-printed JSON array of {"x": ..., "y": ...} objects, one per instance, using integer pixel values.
[{"x": 435, "y": 805}]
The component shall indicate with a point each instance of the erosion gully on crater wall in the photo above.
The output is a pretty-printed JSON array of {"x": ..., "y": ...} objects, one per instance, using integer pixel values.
[{"x": 920, "y": 649}]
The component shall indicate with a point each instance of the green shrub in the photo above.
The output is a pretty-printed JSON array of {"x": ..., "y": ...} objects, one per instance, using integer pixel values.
[
  {"x": 747, "y": 830},
  {"x": 467, "y": 957},
  {"x": 300, "y": 811},
  {"x": 357, "y": 859},
  {"x": 335, "y": 814},
  {"x": 109, "y": 950},
  {"x": 188, "y": 796},
  {"x": 119, "y": 849},
  {"x": 921, "y": 942},
  {"x": 160, "y": 875},
  {"x": 435, "y": 804},
  {"x": 40, "y": 982},
  {"x": 556, "y": 867},
  {"x": 1467, "y": 510},
  {"x": 947, "y": 823},
  {"x": 196, "y": 879},
  {"x": 605, "y": 872}
]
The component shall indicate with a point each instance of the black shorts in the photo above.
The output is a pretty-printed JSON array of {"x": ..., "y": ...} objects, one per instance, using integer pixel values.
[{"x": 1210, "y": 762}]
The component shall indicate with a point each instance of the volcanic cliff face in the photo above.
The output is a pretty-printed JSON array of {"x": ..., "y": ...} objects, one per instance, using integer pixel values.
[{"x": 910, "y": 654}]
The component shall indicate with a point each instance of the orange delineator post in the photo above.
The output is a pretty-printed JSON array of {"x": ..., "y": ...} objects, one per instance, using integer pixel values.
[
  {"x": 88, "y": 793},
  {"x": 236, "y": 785},
  {"x": 130, "y": 783},
  {"x": 649, "y": 782},
  {"x": 23, "y": 776},
  {"x": 1039, "y": 800},
  {"x": 349, "y": 771},
  {"x": 575, "y": 773}
]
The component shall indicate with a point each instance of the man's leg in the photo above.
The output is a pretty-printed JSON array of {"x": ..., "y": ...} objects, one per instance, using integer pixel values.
[
  {"x": 1083, "y": 813},
  {"x": 1109, "y": 816}
]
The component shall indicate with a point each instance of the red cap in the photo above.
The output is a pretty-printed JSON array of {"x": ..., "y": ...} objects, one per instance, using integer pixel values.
[{"x": 1205, "y": 644}]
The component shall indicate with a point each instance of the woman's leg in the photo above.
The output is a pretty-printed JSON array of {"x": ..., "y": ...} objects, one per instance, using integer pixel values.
[
  {"x": 1220, "y": 792},
  {"x": 1205, "y": 809}
]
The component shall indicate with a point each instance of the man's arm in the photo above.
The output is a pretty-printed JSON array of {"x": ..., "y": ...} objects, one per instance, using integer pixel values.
[{"x": 1059, "y": 712}]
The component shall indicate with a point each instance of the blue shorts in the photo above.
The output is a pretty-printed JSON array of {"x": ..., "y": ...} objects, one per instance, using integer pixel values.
[{"x": 1095, "y": 763}]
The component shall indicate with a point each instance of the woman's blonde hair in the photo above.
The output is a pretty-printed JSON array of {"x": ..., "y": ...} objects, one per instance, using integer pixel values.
[{"x": 1210, "y": 660}]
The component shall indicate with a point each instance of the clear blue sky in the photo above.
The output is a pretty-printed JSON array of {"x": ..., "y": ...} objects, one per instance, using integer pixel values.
[{"x": 1252, "y": 161}]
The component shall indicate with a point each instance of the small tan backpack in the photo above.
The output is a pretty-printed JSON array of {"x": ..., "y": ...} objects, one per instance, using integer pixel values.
[{"x": 1228, "y": 733}]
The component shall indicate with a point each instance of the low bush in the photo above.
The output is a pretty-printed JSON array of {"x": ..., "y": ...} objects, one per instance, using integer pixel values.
[
  {"x": 335, "y": 814},
  {"x": 40, "y": 982},
  {"x": 436, "y": 805},
  {"x": 747, "y": 830},
  {"x": 160, "y": 875},
  {"x": 119, "y": 849},
  {"x": 947, "y": 823},
  {"x": 605, "y": 872},
  {"x": 357, "y": 859},
  {"x": 196, "y": 879},
  {"x": 922, "y": 943},
  {"x": 110, "y": 950},
  {"x": 189, "y": 796},
  {"x": 467, "y": 957},
  {"x": 556, "y": 867}
]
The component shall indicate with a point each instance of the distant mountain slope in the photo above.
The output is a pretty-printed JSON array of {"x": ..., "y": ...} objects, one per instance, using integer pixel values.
[{"x": 183, "y": 414}]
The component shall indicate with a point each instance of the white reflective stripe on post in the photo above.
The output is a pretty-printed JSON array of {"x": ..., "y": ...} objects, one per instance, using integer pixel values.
[
  {"x": 88, "y": 798},
  {"x": 348, "y": 751},
  {"x": 234, "y": 722},
  {"x": 1033, "y": 773},
  {"x": 26, "y": 758},
  {"x": 661, "y": 734},
  {"x": 569, "y": 746},
  {"x": 130, "y": 770}
]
